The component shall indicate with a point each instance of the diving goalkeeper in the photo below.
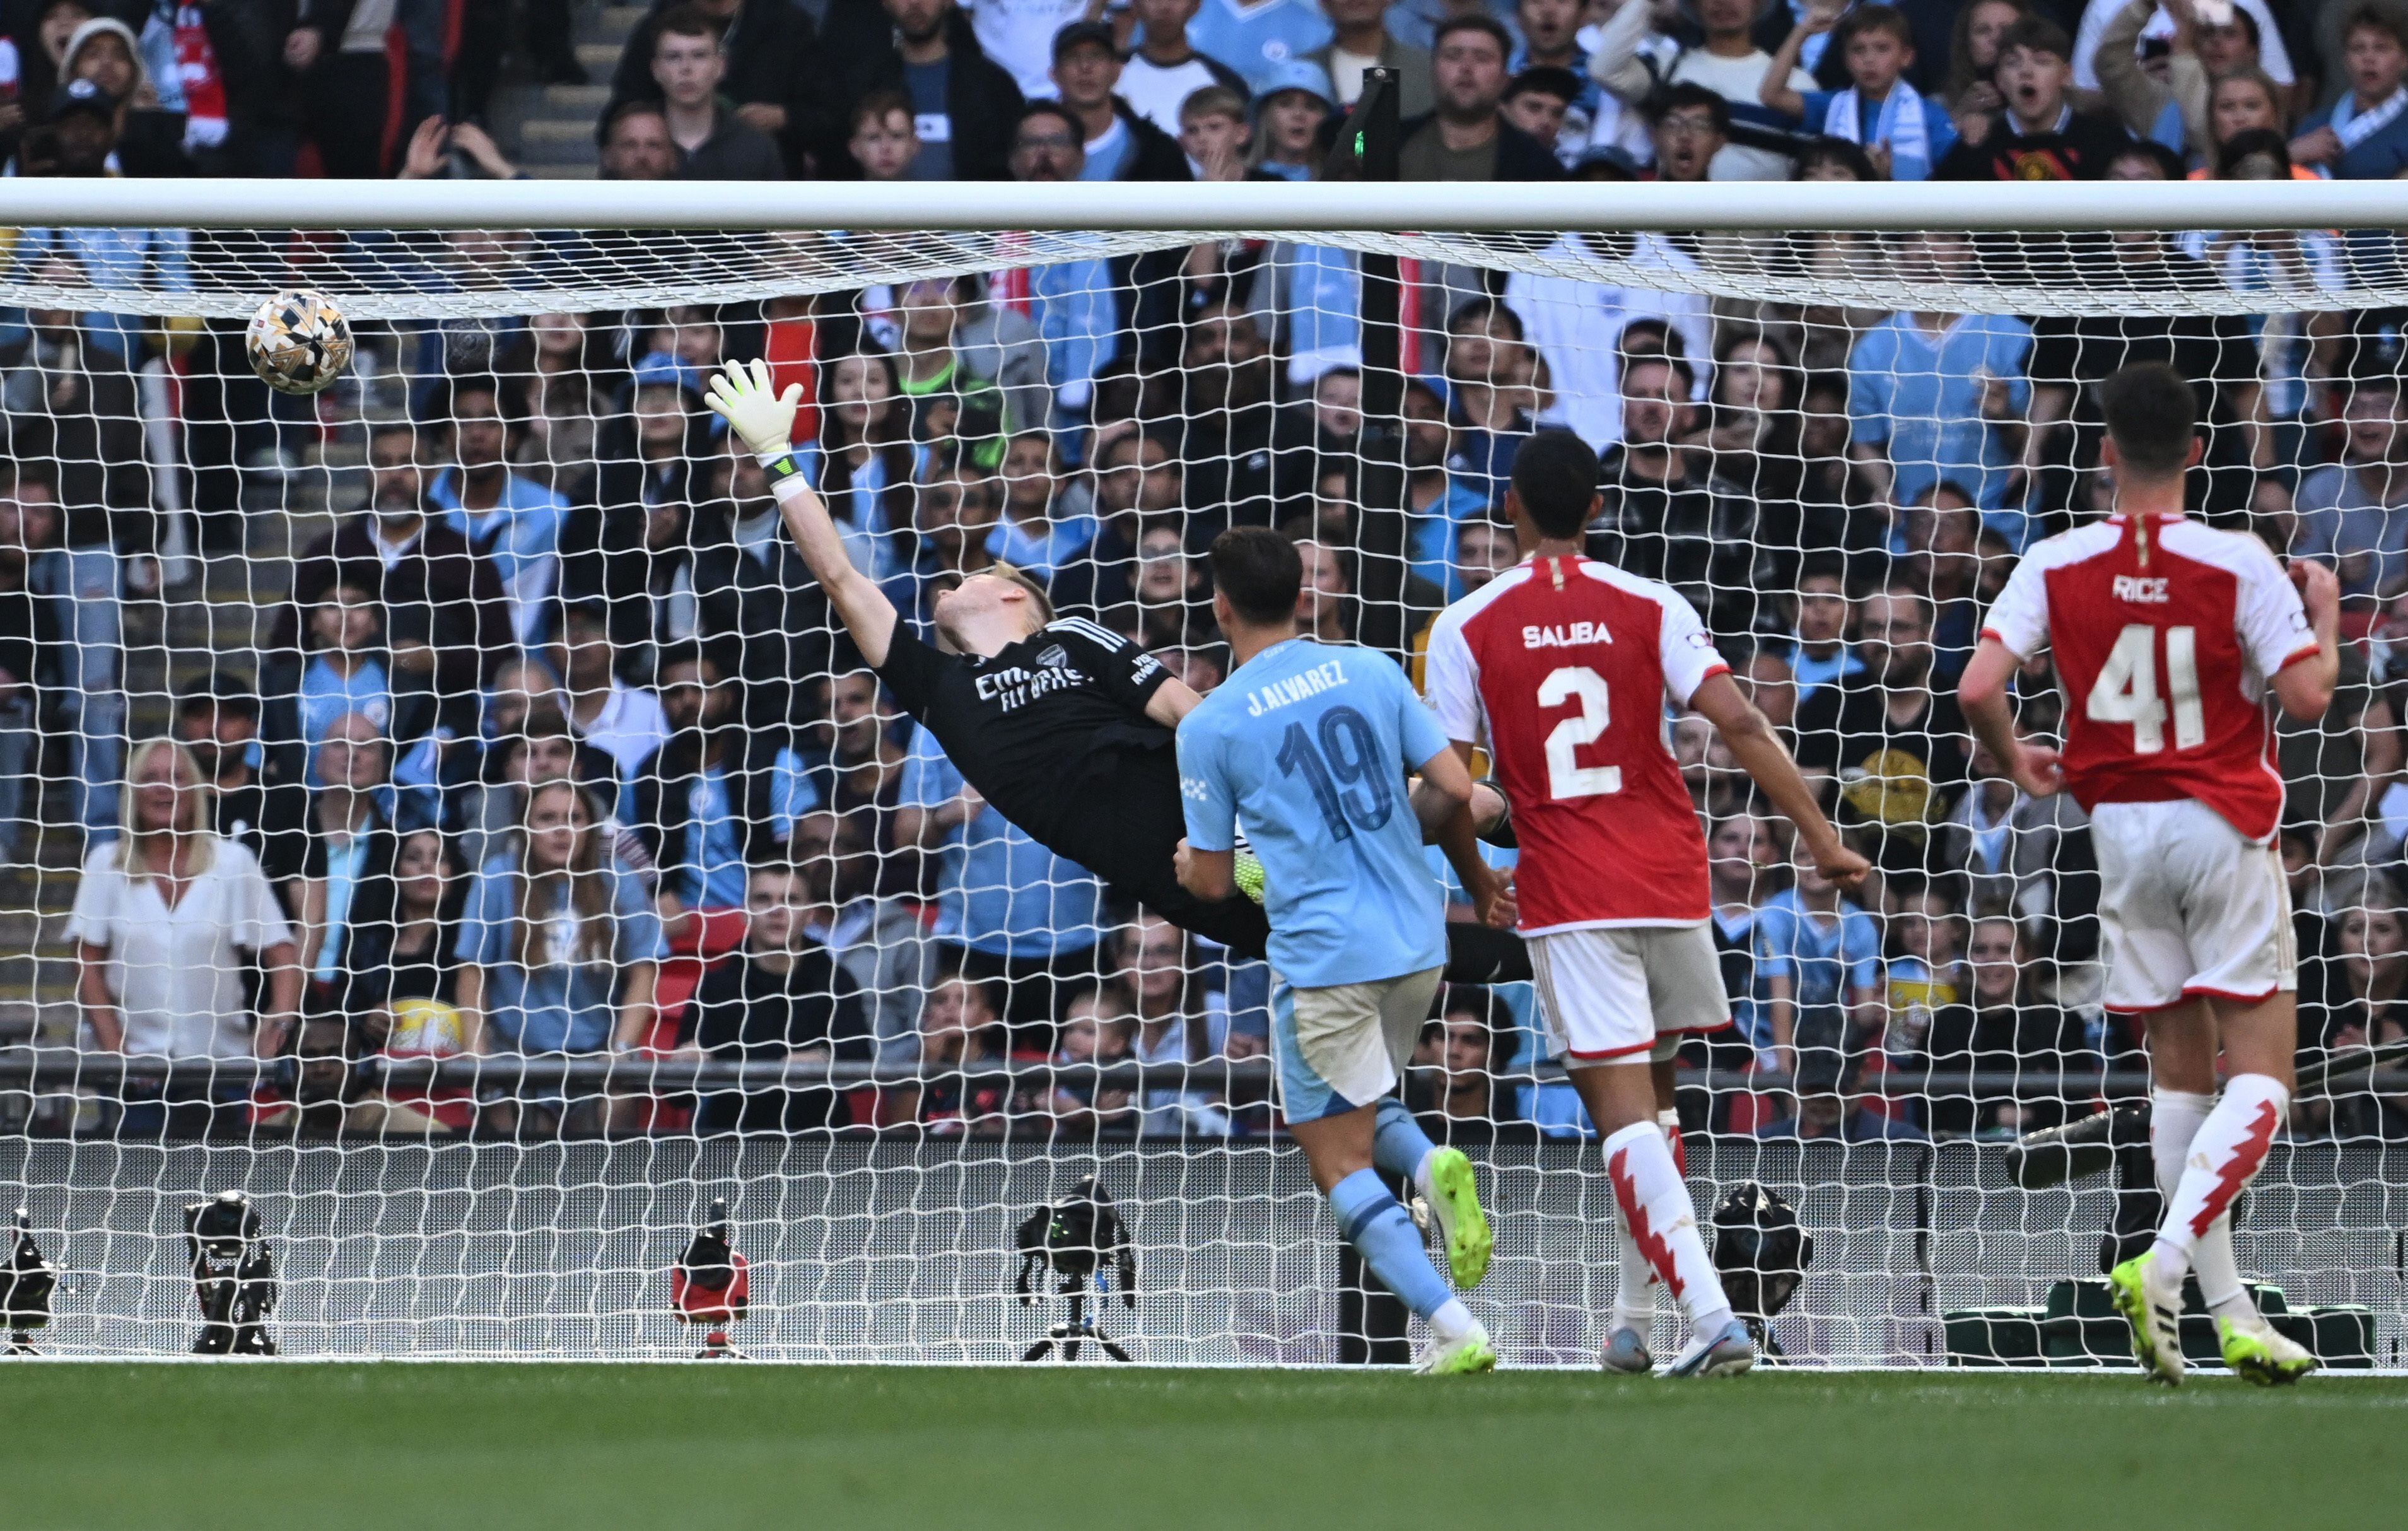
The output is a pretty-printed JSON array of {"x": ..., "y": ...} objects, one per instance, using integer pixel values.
[{"x": 1064, "y": 726}]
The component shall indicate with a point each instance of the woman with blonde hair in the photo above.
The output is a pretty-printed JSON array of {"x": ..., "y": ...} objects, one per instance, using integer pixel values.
[{"x": 164, "y": 918}]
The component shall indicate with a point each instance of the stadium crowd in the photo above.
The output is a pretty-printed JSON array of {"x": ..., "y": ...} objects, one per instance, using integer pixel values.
[{"x": 555, "y": 748}]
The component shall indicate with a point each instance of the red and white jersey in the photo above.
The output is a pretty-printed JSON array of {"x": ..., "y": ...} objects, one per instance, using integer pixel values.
[
  {"x": 2164, "y": 632},
  {"x": 1561, "y": 666}
]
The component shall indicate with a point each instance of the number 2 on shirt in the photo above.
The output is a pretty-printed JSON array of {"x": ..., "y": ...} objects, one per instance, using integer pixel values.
[
  {"x": 1348, "y": 754},
  {"x": 1566, "y": 776},
  {"x": 2127, "y": 688}
]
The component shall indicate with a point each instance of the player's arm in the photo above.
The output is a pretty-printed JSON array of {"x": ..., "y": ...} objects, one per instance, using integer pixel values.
[
  {"x": 2304, "y": 685},
  {"x": 1441, "y": 800},
  {"x": 1748, "y": 733},
  {"x": 1171, "y": 700},
  {"x": 1981, "y": 697},
  {"x": 1211, "y": 810},
  {"x": 764, "y": 421}
]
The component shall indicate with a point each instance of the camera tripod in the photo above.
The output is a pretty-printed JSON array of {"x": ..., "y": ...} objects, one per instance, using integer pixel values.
[{"x": 1077, "y": 1329}]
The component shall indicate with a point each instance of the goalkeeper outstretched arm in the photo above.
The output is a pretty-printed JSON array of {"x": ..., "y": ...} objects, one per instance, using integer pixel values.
[{"x": 763, "y": 419}]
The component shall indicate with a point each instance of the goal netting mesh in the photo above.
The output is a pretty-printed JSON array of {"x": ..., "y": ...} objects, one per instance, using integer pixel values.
[{"x": 481, "y": 1048}]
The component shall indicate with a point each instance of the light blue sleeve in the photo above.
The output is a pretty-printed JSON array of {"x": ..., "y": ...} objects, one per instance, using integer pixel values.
[
  {"x": 2012, "y": 349},
  {"x": 791, "y": 794},
  {"x": 1078, "y": 320},
  {"x": 1324, "y": 294},
  {"x": 1204, "y": 787},
  {"x": 929, "y": 780},
  {"x": 158, "y": 49},
  {"x": 1776, "y": 946},
  {"x": 1417, "y": 726},
  {"x": 484, "y": 928},
  {"x": 1868, "y": 388},
  {"x": 641, "y": 939},
  {"x": 1860, "y": 948},
  {"x": 1940, "y": 128}
]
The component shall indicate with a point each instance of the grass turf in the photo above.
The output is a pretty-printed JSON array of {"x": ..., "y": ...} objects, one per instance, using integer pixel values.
[{"x": 736, "y": 1445}]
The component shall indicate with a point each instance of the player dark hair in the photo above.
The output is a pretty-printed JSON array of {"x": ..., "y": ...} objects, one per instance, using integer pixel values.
[
  {"x": 2037, "y": 35},
  {"x": 1866, "y": 19},
  {"x": 1048, "y": 109},
  {"x": 1546, "y": 79},
  {"x": 1260, "y": 571},
  {"x": 1480, "y": 21},
  {"x": 2151, "y": 415},
  {"x": 1687, "y": 94},
  {"x": 690, "y": 21},
  {"x": 1555, "y": 483},
  {"x": 2377, "y": 18}
]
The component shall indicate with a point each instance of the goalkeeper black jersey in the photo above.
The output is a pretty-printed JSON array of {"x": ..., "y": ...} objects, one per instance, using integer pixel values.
[{"x": 1024, "y": 725}]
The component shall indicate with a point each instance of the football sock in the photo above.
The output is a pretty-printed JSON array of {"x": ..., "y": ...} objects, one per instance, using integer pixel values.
[
  {"x": 1398, "y": 1146},
  {"x": 2174, "y": 1119},
  {"x": 1661, "y": 1222},
  {"x": 1377, "y": 1224},
  {"x": 1634, "y": 1303},
  {"x": 1669, "y": 1119},
  {"x": 2225, "y": 1152}
]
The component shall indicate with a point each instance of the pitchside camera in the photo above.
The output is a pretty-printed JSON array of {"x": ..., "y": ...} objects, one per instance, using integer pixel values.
[
  {"x": 711, "y": 1284},
  {"x": 1761, "y": 1253},
  {"x": 1082, "y": 1240},
  {"x": 26, "y": 1284},
  {"x": 234, "y": 1275}
]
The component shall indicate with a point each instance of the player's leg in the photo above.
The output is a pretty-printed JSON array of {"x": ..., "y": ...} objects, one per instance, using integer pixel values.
[
  {"x": 1443, "y": 1180},
  {"x": 1332, "y": 1052},
  {"x": 1634, "y": 1293},
  {"x": 1595, "y": 998},
  {"x": 2236, "y": 923}
]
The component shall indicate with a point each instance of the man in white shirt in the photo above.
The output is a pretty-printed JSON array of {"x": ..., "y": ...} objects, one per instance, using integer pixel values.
[
  {"x": 1019, "y": 35},
  {"x": 1630, "y": 60},
  {"x": 1577, "y": 325}
]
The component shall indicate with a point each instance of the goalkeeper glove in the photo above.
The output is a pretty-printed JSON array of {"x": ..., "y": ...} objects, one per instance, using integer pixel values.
[{"x": 762, "y": 418}]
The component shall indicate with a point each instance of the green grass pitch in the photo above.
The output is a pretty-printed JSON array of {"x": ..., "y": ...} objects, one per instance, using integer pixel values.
[{"x": 717, "y": 1447}]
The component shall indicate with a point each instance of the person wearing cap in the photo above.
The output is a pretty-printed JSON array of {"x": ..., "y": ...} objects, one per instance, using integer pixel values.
[
  {"x": 1288, "y": 115},
  {"x": 149, "y": 118},
  {"x": 1361, "y": 40},
  {"x": 1120, "y": 144},
  {"x": 1166, "y": 70}
]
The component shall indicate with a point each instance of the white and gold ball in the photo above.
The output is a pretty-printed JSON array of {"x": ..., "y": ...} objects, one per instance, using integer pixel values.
[{"x": 298, "y": 341}]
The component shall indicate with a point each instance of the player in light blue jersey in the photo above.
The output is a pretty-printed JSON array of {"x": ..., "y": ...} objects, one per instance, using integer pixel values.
[{"x": 1308, "y": 747}]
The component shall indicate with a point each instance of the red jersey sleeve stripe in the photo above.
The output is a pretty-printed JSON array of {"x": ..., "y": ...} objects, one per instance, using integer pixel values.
[{"x": 2309, "y": 651}]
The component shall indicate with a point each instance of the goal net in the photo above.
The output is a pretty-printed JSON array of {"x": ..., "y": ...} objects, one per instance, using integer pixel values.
[{"x": 534, "y": 863}]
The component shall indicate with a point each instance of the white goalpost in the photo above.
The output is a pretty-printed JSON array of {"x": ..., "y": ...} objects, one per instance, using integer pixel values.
[{"x": 506, "y": 565}]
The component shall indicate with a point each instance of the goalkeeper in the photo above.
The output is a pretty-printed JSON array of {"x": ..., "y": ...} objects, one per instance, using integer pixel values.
[{"x": 1064, "y": 726}]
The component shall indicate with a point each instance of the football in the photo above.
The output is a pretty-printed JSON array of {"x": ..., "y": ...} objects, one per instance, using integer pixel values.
[{"x": 298, "y": 341}]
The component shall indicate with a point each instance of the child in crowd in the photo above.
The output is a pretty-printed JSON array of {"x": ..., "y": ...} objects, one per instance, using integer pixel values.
[
  {"x": 2038, "y": 135},
  {"x": 1902, "y": 132},
  {"x": 885, "y": 142}
]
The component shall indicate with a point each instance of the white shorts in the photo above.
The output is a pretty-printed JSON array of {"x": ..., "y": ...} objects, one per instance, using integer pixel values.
[
  {"x": 2187, "y": 907},
  {"x": 1607, "y": 994},
  {"x": 1341, "y": 1048}
]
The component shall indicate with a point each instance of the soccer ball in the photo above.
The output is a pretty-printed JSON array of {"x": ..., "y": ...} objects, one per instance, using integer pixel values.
[{"x": 298, "y": 342}]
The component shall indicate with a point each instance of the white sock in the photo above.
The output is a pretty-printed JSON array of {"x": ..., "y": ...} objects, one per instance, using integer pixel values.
[
  {"x": 1634, "y": 1298},
  {"x": 2225, "y": 1153},
  {"x": 1669, "y": 1119},
  {"x": 1422, "y": 1175},
  {"x": 1662, "y": 1222},
  {"x": 2176, "y": 1117},
  {"x": 1452, "y": 1321}
]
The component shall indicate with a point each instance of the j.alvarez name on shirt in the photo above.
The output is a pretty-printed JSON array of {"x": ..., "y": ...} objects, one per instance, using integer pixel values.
[
  {"x": 1296, "y": 688},
  {"x": 1016, "y": 686},
  {"x": 1566, "y": 635}
]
